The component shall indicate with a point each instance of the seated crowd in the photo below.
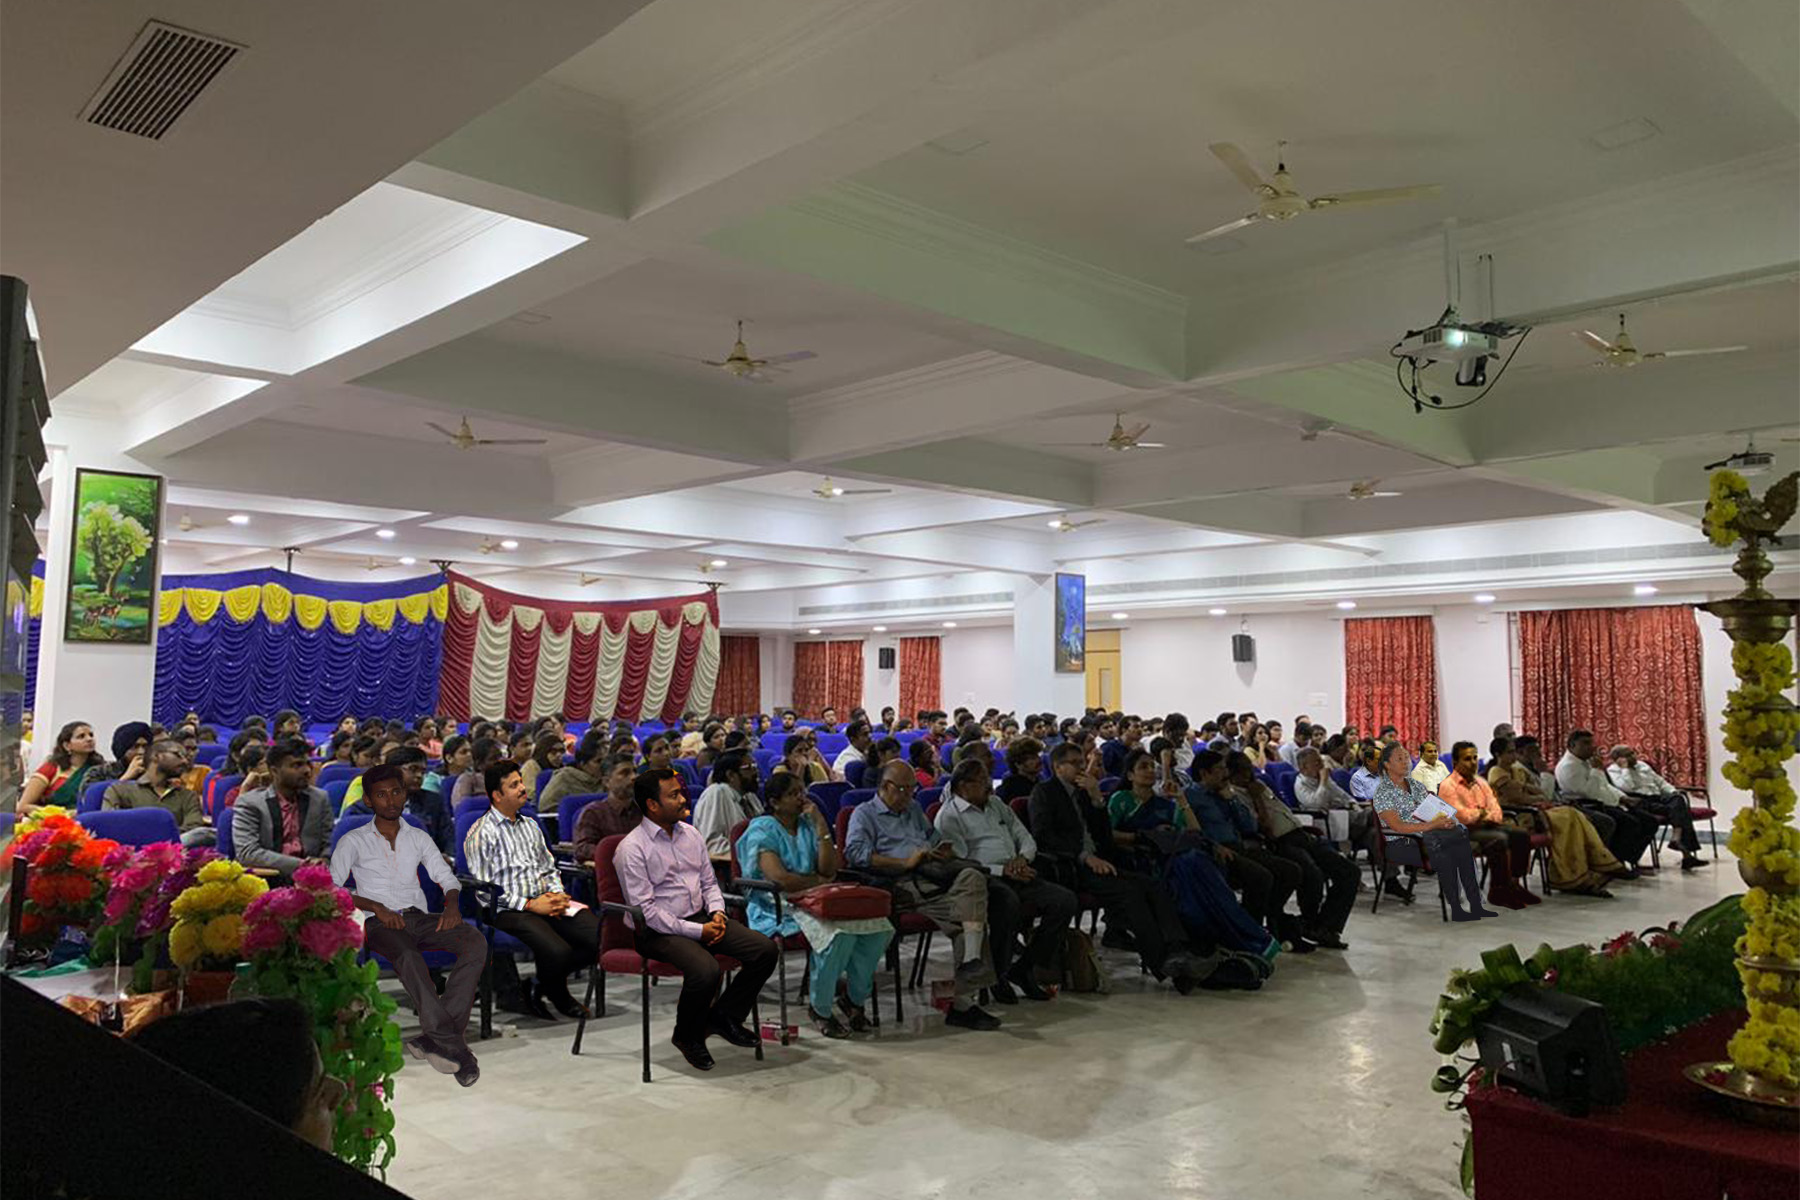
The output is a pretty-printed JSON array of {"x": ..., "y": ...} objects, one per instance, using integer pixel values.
[{"x": 1209, "y": 851}]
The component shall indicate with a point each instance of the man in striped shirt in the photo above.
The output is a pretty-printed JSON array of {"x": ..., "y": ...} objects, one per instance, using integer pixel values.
[{"x": 509, "y": 851}]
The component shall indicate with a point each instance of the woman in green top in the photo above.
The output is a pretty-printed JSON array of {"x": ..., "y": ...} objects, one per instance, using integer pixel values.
[{"x": 60, "y": 779}]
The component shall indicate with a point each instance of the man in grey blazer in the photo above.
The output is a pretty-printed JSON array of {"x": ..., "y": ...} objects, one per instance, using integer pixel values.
[{"x": 284, "y": 826}]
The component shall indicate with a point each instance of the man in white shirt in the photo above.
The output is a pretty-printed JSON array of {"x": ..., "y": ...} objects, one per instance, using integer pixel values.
[
  {"x": 1367, "y": 777},
  {"x": 384, "y": 857},
  {"x": 1315, "y": 791},
  {"x": 857, "y": 751},
  {"x": 1430, "y": 769},
  {"x": 1290, "y": 750},
  {"x": 1659, "y": 796},
  {"x": 984, "y": 830},
  {"x": 1579, "y": 781},
  {"x": 730, "y": 798}
]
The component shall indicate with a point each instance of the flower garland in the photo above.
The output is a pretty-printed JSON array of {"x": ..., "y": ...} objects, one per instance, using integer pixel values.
[
  {"x": 67, "y": 883},
  {"x": 1726, "y": 491},
  {"x": 302, "y": 942},
  {"x": 208, "y": 933}
]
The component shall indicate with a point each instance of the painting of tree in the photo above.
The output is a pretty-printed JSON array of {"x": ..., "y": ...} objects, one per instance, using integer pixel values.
[{"x": 112, "y": 572}]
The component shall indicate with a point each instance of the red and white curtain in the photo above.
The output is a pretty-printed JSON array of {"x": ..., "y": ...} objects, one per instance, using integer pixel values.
[
  {"x": 1390, "y": 677},
  {"x": 519, "y": 657}
]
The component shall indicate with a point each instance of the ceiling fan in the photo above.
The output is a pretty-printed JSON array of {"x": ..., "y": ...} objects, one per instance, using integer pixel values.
[
  {"x": 739, "y": 365},
  {"x": 1621, "y": 352},
  {"x": 828, "y": 490},
  {"x": 1120, "y": 438},
  {"x": 1064, "y": 525},
  {"x": 1277, "y": 200},
  {"x": 464, "y": 438},
  {"x": 1365, "y": 489}
]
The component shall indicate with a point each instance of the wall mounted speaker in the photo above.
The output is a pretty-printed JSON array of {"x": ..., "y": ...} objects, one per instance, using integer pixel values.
[
  {"x": 884, "y": 658},
  {"x": 1243, "y": 648}
]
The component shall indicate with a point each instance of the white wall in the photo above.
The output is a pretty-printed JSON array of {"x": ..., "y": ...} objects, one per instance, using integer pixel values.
[
  {"x": 1474, "y": 663},
  {"x": 978, "y": 669},
  {"x": 1183, "y": 664}
]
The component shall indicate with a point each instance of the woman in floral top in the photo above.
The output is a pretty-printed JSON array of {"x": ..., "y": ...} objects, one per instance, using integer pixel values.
[{"x": 1397, "y": 798}]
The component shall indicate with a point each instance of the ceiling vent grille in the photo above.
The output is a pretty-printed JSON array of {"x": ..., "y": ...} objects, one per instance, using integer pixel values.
[{"x": 163, "y": 72}]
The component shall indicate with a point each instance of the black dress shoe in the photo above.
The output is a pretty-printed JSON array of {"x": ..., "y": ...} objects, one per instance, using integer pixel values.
[
  {"x": 573, "y": 1009},
  {"x": 737, "y": 1033},
  {"x": 467, "y": 1071},
  {"x": 695, "y": 1053},
  {"x": 1002, "y": 992},
  {"x": 529, "y": 1002},
  {"x": 971, "y": 1018},
  {"x": 1693, "y": 862}
]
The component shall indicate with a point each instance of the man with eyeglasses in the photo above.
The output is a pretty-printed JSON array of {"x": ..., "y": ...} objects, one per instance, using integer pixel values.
[{"x": 890, "y": 837}]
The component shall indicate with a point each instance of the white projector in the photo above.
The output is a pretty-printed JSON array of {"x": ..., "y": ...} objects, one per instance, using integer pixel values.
[{"x": 1448, "y": 343}]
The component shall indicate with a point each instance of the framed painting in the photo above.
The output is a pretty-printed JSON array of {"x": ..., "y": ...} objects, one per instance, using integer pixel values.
[
  {"x": 112, "y": 572},
  {"x": 1071, "y": 623}
]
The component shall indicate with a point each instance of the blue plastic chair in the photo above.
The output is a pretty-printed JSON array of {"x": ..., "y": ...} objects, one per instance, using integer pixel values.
[
  {"x": 774, "y": 740},
  {"x": 132, "y": 826},
  {"x": 7, "y": 821},
  {"x": 853, "y": 772},
  {"x": 217, "y": 788},
  {"x": 475, "y": 898},
  {"x": 1341, "y": 777},
  {"x": 828, "y": 796},
  {"x": 92, "y": 796},
  {"x": 926, "y": 797},
  {"x": 335, "y": 792},
  {"x": 689, "y": 770},
  {"x": 226, "y": 847},
  {"x": 543, "y": 781},
  {"x": 568, "y": 811},
  {"x": 209, "y": 754},
  {"x": 832, "y": 744},
  {"x": 332, "y": 772},
  {"x": 344, "y": 825},
  {"x": 765, "y": 760}
]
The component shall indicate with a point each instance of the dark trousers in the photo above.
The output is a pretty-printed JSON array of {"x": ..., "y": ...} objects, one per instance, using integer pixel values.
[
  {"x": 559, "y": 946},
  {"x": 1265, "y": 879},
  {"x": 701, "y": 973},
  {"x": 1010, "y": 903},
  {"x": 1327, "y": 880},
  {"x": 1632, "y": 831},
  {"x": 442, "y": 1018},
  {"x": 1141, "y": 905},
  {"x": 1673, "y": 809}
]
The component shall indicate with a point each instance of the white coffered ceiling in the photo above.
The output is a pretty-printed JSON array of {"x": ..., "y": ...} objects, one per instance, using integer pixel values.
[{"x": 973, "y": 213}]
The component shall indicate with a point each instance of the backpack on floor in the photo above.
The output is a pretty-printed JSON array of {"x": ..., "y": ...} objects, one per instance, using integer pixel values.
[{"x": 1082, "y": 971}]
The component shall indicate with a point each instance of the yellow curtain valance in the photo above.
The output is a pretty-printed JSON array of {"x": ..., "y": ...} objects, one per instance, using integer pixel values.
[{"x": 278, "y": 604}]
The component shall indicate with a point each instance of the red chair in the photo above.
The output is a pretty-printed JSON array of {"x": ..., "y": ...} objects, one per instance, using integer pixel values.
[
  {"x": 618, "y": 950},
  {"x": 907, "y": 924}
]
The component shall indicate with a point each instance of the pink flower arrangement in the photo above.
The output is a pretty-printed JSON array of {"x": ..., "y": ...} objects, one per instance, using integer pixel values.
[
  {"x": 144, "y": 883},
  {"x": 312, "y": 917}
]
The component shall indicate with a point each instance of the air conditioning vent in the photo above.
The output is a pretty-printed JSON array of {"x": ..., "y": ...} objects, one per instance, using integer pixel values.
[{"x": 163, "y": 72}]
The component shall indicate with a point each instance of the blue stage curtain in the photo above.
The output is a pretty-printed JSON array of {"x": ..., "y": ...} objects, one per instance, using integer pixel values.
[{"x": 226, "y": 670}]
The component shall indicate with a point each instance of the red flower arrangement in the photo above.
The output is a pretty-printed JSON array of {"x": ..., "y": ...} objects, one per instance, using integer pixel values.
[{"x": 68, "y": 881}]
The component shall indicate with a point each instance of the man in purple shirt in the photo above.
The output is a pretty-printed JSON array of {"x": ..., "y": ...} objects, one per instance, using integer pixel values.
[{"x": 665, "y": 870}]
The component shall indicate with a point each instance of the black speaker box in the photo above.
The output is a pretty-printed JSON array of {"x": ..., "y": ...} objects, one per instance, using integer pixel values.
[
  {"x": 884, "y": 658},
  {"x": 1243, "y": 648}
]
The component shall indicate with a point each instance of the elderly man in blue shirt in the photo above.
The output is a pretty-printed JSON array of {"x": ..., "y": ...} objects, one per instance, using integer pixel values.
[
  {"x": 1266, "y": 879},
  {"x": 890, "y": 837}
]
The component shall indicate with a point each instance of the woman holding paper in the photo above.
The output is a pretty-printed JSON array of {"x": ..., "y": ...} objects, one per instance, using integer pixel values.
[{"x": 1404, "y": 806}]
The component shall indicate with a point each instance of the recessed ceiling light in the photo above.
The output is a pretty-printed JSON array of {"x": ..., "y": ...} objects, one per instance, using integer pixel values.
[
  {"x": 1121, "y": 616},
  {"x": 509, "y": 544},
  {"x": 1346, "y": 604},
  {"x": 239, "y": 518},
  {"x": 949, "y": 624},
  {"x": 1625, "y": 133},
  {"x": 814, "y": 632},
  {"x": 718, "y": 562},
  {"x": 1217, "y": 612},
  {"x": 384, "y": 533},
  {"x": 1644, "y": 589},
  {"x": 1484, "y": 597},
  {"x": 879, "y": 628},
  {"x": 407, "y": 560}
]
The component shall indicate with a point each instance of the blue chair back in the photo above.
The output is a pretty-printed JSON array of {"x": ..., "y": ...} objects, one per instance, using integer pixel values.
[
  {"x": 461, "y": 864},
  {"x": 91, "y": 797},
  {"x": 1110, "y": 784},
  {"x": 335, "y": 791},
  {"x": 1448, "y": 759},
  {"x": 332, "y": 772},
  {"x": 765, "y": 760},
  {"x": 774, "y": 740},
  {"x": 829, "y": 797},
  {"x": 217, "y": 788},
  {"x": 471, "y": 804},
  {"x": 357, "y": 821},
  {"x": 132, "y": 826},
  {"x": 832, "y": 744},
  {"x": 226, "y": 847},
  {"x": 926, "y": 797},
  {"x": 1281, "y": 781},
  {"x": 853, "y": 797},
  {"x": 568, "y": 811},
  {"x": 947, "y": 753},
  {"x": 543, "y": 781},
  {"x": 1341, "y": 777},
  {"x": 209, "y": 754},
  {"x": 689, "y": 770},
  {"x": 853, "y": 772},
  {"x": 7, "y": 821}
]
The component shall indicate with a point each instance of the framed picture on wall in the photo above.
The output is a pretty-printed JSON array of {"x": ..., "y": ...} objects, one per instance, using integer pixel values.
[
  {"x": 112, "y": 572},
  {"x": 1071, "y": 623}
]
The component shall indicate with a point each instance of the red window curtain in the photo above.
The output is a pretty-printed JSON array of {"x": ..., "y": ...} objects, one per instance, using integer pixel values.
[
  {"x": 1632, "y": 675},
  {"x": 1390, "y": 676},
  {"x": 921, "y": 671},
  {"x": 812, "y": 678},
  {"x": 844, "y": 662},
  {"x": 739, "y": 690}
]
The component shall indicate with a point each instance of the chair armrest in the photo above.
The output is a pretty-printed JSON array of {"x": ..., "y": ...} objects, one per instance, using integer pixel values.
[
  {"x": 625, "y": 910},
  {"x": 485, "y": 895},
  {"x": 759, "y": 885},
  {"x": 573, "y": 872},
  {"x": 866, "y": 878}
]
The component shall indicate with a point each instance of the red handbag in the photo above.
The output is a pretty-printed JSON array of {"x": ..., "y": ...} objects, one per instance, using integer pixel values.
[{"x": 844, "y": 902}]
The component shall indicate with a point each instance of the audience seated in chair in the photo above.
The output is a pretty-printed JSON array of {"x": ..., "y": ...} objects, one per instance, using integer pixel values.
[
  {"x": 484, "y": 752},
  {"x": 1658, "y": 796},
  {"x": 384, "y": 856},
  {"x": 984, "y": 830},
  {"x": 586, "y": 775},
  {"x": 1367, "y": 776},
  {"x": 1430, "y": 769},
  {"x": 288, "y": 824},
  {"x": 1316, "y": 792},
  {"x": 617, "y": 814},
  {"x": 1506, "y": 847},
  {"x": 791, "y": 847},
  {"x": 1265, "y": 878},
  {"x": 1582, "y": 782},
  {"x": 730, "y": 799},
  {"x": 889, "y": 837},
  {"x": 160, "y": 786},
  {"x": 426, "y": 805},
  {"x": 1579, "y": 859},
  {"x": 508, "y": 850},
  {"x": 860, "y": 739},
  {"x": 1327, "y": 887},
  {"x": 665, "y": 870},
  {"x": 1397, "y": 798}
]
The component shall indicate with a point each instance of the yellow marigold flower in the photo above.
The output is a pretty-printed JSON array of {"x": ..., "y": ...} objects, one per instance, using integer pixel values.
[
  {"x": 220, "y": 870},
  {"x": 249, "y": 887},
  {"x": 185, "y": 943},
  {"x": 225, "y": 934}
]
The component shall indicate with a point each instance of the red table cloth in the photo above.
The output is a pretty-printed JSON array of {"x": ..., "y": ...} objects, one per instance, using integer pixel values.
[{"x": 1671, "y": 1140}]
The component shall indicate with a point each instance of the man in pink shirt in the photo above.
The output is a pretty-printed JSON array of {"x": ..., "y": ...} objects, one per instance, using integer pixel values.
[{"x": 665, "y": 870}]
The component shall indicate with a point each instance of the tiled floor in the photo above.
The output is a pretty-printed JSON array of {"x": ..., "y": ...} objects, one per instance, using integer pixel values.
[{"x": 1315, "y": 1086}]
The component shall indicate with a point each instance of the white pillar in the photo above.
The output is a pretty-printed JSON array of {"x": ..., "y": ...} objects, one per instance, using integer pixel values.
[
  {"x": 1037, "y": 686},
  {"x": 104, "y": 684}
]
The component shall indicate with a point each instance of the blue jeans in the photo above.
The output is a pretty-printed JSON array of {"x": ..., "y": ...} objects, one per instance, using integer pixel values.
[{"x": 856, "y": 955}]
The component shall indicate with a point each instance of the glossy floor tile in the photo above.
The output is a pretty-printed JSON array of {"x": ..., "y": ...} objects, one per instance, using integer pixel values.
[{"x": 1315, "y": 1086}]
